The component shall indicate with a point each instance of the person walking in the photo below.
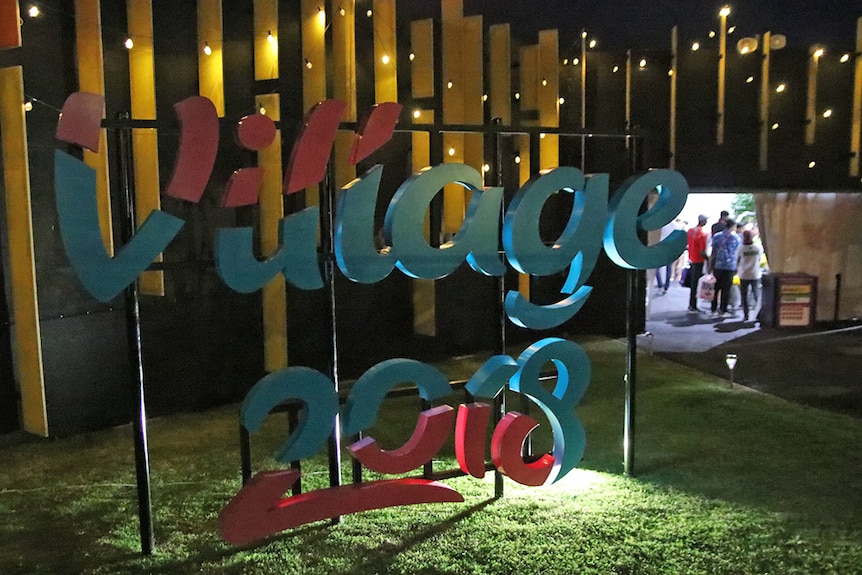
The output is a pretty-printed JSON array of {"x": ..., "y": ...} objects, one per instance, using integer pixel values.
[
  {"x": 748, "y": 262},
  {"x": 697, "y": 256},
  {"x": 723, "y": 265},
  {"x": 719, "y": 226}
]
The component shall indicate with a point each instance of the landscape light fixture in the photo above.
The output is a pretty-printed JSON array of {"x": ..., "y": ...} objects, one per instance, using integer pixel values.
[{"x": 730, "y": 360}]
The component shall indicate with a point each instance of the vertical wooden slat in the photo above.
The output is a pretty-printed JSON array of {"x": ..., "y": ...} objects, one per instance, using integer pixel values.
[
  {"x": 811, "y": 97},
  {"x": 210, "y": 62},
  {"x": 142, "y": 89},
  {"x": 500, "y": 95},
  {"x": 91, "y": 78},
  {"x": 265, "y": 39},
  {"x": 674, "y": 44},
  {"x": 422, "y": 84},
  {"x": 472, "y": 72},
  {"x": 385, "y": 53},
  {"x": 764, "y": 104},
  {"x": 313, "y": 14},
  {"x": 548, "y": 92},
  {"x": 344, "y": 84},
  {"x": 856, "y": 126},
  {"x": 19, "y": 218},
  {"x": 274, "y": 293},
  {"x": 10, "y": 27}
]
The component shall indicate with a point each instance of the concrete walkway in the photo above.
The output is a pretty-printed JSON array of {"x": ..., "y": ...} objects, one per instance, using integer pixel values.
[{"x": 819, "y": 366}]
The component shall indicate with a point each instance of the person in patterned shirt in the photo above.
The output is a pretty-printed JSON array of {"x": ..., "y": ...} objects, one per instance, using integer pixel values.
[{"x": 723, "y": 265}]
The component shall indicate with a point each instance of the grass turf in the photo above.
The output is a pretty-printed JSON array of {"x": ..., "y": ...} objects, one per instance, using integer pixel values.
[{"x": 728, "y": 481}]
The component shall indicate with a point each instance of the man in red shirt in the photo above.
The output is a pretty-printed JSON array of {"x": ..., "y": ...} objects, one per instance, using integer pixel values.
[{"x": 697, "y": 255}]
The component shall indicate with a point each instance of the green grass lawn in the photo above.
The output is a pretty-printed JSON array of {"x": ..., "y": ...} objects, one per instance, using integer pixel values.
[{"x": 728, "y": 481}]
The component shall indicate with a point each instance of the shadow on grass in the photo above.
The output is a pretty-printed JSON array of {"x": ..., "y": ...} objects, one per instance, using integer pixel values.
[{"x": 386, "y": 554}]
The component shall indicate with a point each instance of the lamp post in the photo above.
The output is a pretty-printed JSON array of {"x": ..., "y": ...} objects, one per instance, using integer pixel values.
[
  {"x": 730, "y": 360},
  {"x": 747, "y": 46},
  {"x": 722, "y": 63},
  {"x": 811, "y": 104}
]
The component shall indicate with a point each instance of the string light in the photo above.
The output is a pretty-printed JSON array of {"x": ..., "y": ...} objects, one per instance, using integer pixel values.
[
  {"x": 811, "y": 164},
  {"x": 670, "y": 72},
  {"x": 712, "y": 33},
  {"x": 308, "y": 64},
  {"x": 412, "y": 56},
  {"x": 262, "y": 110},
  {"x": 452, "y": 151},
  {"x": 562, "y": 101},
  {"x": 544, "y": 82},
  {"x": 731, "y": 30},
  {"x": 780, "y": 88},
  {"x": 615, "y": 69},
  {"x": 486, "y": 168},
  {"x": 642, "y": 63},
  {"x": 775, "y": 126},
  {"x": 341, "y": 10},
  {"x": 484, "y": 97},
  {"x": 695, "y": 46},
  {"x": 417, "y": 113},
  {"x": 517, "y": 95},
  {"x": 576, "y": 61},
  {"x": 129, "y": 44},
  {"x": 449, "y": 84},
  {"x": 541, "y": 136},
  {"x": 565, "y": 61},
  {"x": 28, "y": 105},
  {"x": 724, "y": 12},
  {"x": 827, "y": 113},
  {"x": 749, "y": 80},
  {"x": 385, "y": 59},
  {"x": 369, "y": 13},
  {"x": 321, "y": 15},
  {"x": 34, "y": 11},
  {"x": 207, "y": 50},
  {"x": 593, "y": 43},
  {"x": 818, "y": 53},
  {"x": 518, "y": 159},
  {"x": 269, "y": 37},
  {"x": 845, "y": 58}
]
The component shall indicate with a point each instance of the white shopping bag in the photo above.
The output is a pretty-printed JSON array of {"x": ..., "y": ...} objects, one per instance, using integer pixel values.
[{"x": 706, "y": 287}]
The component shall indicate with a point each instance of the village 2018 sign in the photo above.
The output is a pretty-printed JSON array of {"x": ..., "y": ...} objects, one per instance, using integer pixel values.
[{"x": 259, "y": 508}]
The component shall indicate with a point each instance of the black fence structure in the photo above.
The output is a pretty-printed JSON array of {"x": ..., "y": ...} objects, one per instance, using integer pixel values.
[{"x": 574, "y": 146}]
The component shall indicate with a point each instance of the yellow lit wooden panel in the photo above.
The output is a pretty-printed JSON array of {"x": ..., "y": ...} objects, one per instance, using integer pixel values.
[
  {"x": 453, "y": 79},
  {"x": 856, "y": 126},
  {"x": 274, "y": 293},
  {"x": 210, "y": 65},
  {"x": 500, "y": 93},
  {"x": 313, "y": 13},
  {"x": 142, "y": 89},
  {"x": 529, "y": 70},
  {"x": 452, "y": 9},
  {"x": 385, "y": 53},
  {"x": 422, "y": 49},
  {"x": 344, "y": 171},
  {"x": 91, "y": 78},
  {"x": 265, "y": 39},
  {"x": 344, "y": 56},
  {"x": 424, "y": 291},
  {"x": 548, "y": 92},
  {"x": 454, "y": 196},
  {"x": 19, "y": 218}
]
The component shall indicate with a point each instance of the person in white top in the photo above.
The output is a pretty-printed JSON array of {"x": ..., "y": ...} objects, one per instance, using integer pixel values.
[{"x": 748, "y": 258}]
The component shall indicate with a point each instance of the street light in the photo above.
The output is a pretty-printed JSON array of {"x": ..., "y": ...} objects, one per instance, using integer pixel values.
[
  {"x": 811, "y": 104},
  {"x": 730, "y": 360}
]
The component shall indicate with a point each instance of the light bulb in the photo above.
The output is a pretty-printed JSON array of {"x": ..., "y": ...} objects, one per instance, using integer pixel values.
[
  {"x": 385, "y": 59},
  {"x": 341, "y": 10},
  {"x": 818, "y": 53},
  {"x": 486, "y": 168},
  {"x": 262, "y": 111},
  {"x": 576, "y": 61},
  {"x": 811, "y": 164},
  {"x": 417, "y": 113},
  {"x": 449, "y": 84},
  {"x": 845, "y": 58},
  {"x": 269, "y": 37},
  {"x": 517, "y": 159},
  {"x": 484, "y": 97},
  {"x": 451, "y": 151},
  {"x": 207, "y": 50},
  {"x": 780, "y": 88},
  {"x": 28, "y": 105},
  {"x": 615, "y": 69},
  {"x": 593, "y": 43},
  {"x": 749, "y": 80},
  {"x": 129, "y": 44},
  {"x": 412, "y": 56},
  {"x": 544, "y": 82},
  {"x": 565, "y": 61},
  {"x": 541, "y": 136},
  {"x": 827, "y": 113},
  {"x": 517, "y": 95},
  {"x": 562, "y": 101},
  {"x": 712, "y": 33},
  {"x": 724, "y": 12},
  {"x": 775, "y": 126},
  {"x": 695, "y": 46},
  {"x": 369, "y": 13},
  {"x": 731, "y": 30},
  {"x": 642, "y": 63},
  {"x": 34, "y": 11},
  {"x": 308, "y": 64}
]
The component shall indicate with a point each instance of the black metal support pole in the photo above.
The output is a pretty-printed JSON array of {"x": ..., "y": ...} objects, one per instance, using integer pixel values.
[
  {"x": 133, "y": 334},
  {"x": 500, "y": 400},
  {"x": 631, "y": 371},
  {"x": 327, "y": 235},
  {"x": 244, "y": 453},
  {"x": 837, "y": 314}
]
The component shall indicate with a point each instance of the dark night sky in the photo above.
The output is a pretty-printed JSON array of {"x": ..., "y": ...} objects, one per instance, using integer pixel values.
[{"x": 646, "y": 24}]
